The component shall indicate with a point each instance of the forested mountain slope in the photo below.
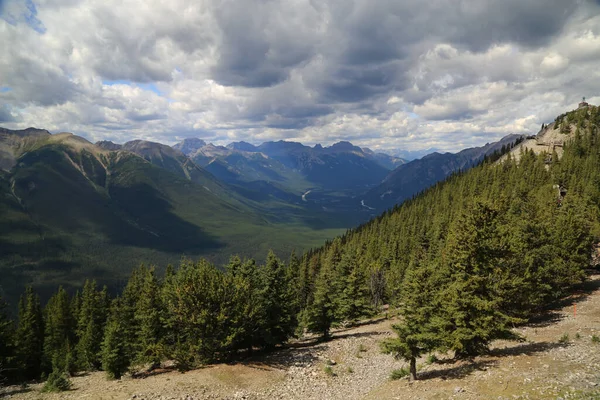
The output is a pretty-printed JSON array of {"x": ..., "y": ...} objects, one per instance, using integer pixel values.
[
  {"x": 502, "y": 239},
  {"x": 408, "y": 179},
  {"x": 70, "y": 209}
]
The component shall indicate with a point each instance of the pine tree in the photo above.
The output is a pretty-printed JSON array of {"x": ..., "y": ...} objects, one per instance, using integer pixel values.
[
  {"x": 128, "y": 306},
  {"x": 115, "y": 358},
  {"x": 421, "y": 329},
  {"x": 352, "y": 292},
  {"x": 196, "y": 304},
  {"x": 319, "y": 316},
  {"x": 244, "y": 305},
  {"x": 90, "y": 325},
  {"x": 471, "y": 300},
  {"x": 7, "y": 349},
  {"x": 30, "y": 335},
  {"x": 169, "y": 336},
  {"x": 149, "y": 311},
  {"x": 59, "y": 331},
  {"x": 276, "y": 303}
]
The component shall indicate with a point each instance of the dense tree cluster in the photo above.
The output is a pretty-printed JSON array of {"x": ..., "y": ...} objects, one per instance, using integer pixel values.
[{"x": 462, "y": 262}]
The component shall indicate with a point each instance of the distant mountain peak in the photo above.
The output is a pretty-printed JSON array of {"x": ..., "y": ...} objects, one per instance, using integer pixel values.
[
  {"x": 108, "y": 145},
  {"x": 242, "y": 146},
  {"x": 190, "y": 145},
  {"x": 25, "y": 132}
]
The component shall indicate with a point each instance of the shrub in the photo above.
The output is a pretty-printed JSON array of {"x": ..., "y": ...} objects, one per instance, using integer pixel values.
[
  {"x": 564, "y": 339},
  {"x": 431, "y": 359},
  {"x": 398, "y": 374},
  {"x": 57, "y": 382},
  {"x": 328, "y": 370},
  {"x": 350, "y": 370},
  {"x": 595, "y": 339}
]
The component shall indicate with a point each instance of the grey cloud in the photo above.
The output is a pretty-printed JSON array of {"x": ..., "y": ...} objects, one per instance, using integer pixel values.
[
  {"x": 261, "y": 41},
  {"x": 36, "y": 82},
  {"x": 5, "y": 115},
  {"x": 310, "y": 70},
  {"x": 140, "y": 117}
]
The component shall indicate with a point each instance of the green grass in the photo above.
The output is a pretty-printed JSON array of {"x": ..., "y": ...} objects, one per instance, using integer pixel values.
[
  {"x": 399, "y": 374},
  {"x": 432, "y": 358},
  {"x": 595, "y": 339},
  {"x": 328, "y": 370},
  {"x": 564, "y": 339}
]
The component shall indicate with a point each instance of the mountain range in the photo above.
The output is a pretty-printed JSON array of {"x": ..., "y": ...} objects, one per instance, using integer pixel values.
[
  {"x": 415, "y": 176},
  {"x": 71, "y": 209}
]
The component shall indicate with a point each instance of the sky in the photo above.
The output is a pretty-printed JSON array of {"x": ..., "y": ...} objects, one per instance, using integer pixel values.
[{"x": 383, "y": 74}]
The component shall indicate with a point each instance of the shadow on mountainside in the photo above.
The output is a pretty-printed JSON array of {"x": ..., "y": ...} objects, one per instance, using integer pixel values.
[
  {"x": 462, "y": 370},
  {"x": 11, "y": 391}
]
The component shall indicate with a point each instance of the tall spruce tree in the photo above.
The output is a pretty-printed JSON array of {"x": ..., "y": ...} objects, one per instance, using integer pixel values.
[
  {"x": 30, "y": 335},
  {"x": 320, "y": 315},
  {"x": 276, "y": 303},
  {"x": 421, "y": 329},
  {"x": 149, "y": 316},
  {"x": 59, "y": 332},
  {"x": 90, "y": 325},
  {"x": 472, "y": 300},
  {"x": 115, "y": 357},
  {"x": 352, "y": 291},
  {"x": 7, "y": 346}
]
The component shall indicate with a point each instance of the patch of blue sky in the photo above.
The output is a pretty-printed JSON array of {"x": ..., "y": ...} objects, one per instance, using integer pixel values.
[
  {"x": 144, "y": 86},
  {"x": 15, "y": 11},
  {"x": 4, "y": 89}
]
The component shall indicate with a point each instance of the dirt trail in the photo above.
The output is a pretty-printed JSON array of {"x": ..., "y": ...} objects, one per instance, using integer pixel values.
[{"x": 540, "y": 368}]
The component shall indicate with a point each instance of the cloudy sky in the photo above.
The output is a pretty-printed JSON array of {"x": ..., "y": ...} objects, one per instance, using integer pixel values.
[{"x": 407, "y": 74}]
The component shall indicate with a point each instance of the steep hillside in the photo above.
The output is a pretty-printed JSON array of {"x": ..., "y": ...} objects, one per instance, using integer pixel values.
[
  {"x": 410, "y": 178},
  {"x": 72, "y": 210},
  {"x": 531, "y": 221}
]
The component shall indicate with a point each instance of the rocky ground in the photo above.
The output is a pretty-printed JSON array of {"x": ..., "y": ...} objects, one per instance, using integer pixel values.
[{"x": 557, "y": 360}]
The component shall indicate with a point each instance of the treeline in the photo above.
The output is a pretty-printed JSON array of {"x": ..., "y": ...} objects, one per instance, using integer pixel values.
[
  {"x": 195, "y": 314},
  {"x": 462, "y": 262}
]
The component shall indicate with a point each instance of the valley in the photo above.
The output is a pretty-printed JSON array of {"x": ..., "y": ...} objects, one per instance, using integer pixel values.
[{"x": 71, "y": 207}]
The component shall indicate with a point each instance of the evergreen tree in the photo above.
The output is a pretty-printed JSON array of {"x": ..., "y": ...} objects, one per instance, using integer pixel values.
[
  {"x": 421, "y": 329},
  {"x": 59, "y": 331},
  {"x": 320, "y": 314},
  {"x": 90, "y": 325},
  {"x": 7, "y": 349},
  {"x": 276, "y": 303},
  {"x": 352, "y": 292},
  {"x": 128, "y": 306},
  {"x": 472, "y": 299},
  {"x": 115, "y": 358},
  {"x": 245, "y": 305},
  {"x": 196, "y": 304},
  {"x": 149, "y": 318},
  {"x": 30, "y": 335},
  {"x": 169, "y": 336}
]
